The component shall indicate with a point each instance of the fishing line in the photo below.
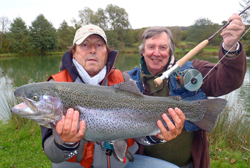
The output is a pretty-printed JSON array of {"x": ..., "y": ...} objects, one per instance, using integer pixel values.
[{"x": 223, "y": 58}]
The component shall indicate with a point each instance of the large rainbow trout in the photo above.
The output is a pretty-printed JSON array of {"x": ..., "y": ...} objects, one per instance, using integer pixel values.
[{"x": 111, "y": 113}]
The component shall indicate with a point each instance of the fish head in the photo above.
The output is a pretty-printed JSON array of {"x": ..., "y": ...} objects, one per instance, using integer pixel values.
[{"x": 38, "y": 104}]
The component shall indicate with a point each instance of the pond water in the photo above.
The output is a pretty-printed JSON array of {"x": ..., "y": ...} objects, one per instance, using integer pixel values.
[{"x": 18, "y": 71}]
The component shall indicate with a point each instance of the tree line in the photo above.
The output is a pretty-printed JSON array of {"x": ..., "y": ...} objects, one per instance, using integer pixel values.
[{"x": 41, "y": 37}]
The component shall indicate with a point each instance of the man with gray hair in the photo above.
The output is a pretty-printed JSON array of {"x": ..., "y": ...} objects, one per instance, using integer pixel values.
[{"x": 191, "y": 148}]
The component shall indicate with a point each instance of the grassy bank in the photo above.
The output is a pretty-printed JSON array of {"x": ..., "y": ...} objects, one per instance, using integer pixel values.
[
  {"x": 230, "y": 141},
  {"x": 20, "y": 144}
]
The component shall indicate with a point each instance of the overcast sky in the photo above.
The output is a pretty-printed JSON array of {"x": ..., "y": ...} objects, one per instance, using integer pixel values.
[{"x": 141, "y": 13}]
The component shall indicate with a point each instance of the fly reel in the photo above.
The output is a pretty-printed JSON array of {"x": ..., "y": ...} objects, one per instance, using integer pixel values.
[{"x": 191, "y": 79}]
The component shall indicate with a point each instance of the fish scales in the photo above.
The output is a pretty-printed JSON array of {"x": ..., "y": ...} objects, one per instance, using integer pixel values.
[
  {"x": 110, "y": 112},
  {"x": 119, "y": 111},
  {"x": 118, "y": 99},
  {"x": 122, "y": 107}
]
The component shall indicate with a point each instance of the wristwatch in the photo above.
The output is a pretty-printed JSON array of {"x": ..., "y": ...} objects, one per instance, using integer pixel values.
[
  {"x": 237, "y": 51},
  {"x": 70, "y": 144}
]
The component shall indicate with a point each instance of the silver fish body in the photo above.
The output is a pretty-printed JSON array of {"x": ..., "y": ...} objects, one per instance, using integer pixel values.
[{"x": 115, "y": 112}]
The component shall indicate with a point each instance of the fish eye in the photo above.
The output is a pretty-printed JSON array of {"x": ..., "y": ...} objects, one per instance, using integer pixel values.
[{"x": 35, "y": 98}]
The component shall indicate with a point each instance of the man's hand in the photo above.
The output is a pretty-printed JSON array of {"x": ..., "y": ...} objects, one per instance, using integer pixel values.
[
  {"x": 174, "y": 129},
  {"x": 232, "y": 33},
  {"x": 67, "y": 127}
]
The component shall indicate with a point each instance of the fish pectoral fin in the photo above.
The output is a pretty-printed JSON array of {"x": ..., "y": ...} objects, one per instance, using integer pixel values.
[{"x": 120, "y": 147}]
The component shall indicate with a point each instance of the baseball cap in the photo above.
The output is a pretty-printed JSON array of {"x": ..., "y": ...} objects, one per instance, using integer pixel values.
[{"x": 85, "y": 31}]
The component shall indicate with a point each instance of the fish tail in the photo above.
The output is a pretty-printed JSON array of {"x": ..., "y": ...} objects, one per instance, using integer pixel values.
[{"x": 213, "y": 108}]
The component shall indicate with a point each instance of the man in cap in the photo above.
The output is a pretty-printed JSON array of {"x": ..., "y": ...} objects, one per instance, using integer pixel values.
[{"x": 91, "y": 61}]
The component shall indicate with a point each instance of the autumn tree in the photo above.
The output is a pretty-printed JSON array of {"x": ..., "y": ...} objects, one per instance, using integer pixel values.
[
  {"x": 102, "y": 19},
  {"x": 117, "y": 17},
  {"x": 119, "y": 26},
  {"x": 112, "y": 18},
  {"x": 43, "y": 35},
  {"x": 87, "y": 16},
  {"x": 114, "y": 21}
]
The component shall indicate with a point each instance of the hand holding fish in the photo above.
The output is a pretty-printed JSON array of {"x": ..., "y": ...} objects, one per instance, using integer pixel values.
[
  {"x": 232, "y": 33},
  {"x": 67, "y": 127},
  {"x": 174, "y": 129}
]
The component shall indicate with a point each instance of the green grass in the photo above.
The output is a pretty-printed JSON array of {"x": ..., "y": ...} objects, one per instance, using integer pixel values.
[
  {"x": 230, "y": 142},
  {"x": 224, "y": 156},
  {"x": 20, "y": 145}
]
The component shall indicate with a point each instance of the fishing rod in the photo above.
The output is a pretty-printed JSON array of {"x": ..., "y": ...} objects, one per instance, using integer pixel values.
[{"x": 191, "y": 54}]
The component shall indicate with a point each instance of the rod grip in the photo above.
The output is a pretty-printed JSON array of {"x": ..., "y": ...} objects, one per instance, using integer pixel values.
[{"x": 192, "y": 53}]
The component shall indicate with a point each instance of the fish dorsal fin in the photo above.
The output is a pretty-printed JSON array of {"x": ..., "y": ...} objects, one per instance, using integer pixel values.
[{"x": 128, "y": 86}]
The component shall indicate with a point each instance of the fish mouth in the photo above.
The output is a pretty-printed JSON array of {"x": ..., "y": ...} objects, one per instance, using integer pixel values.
[
  {"x": 26, "y": 107},
  {"x": 22, "y": 105}
]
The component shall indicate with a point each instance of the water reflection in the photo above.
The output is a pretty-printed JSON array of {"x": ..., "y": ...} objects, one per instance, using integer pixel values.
[
  {"x": 238, "y": 100},
  {"x": 17, "y": 71},
  {"x": 6, "y": 95}
]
